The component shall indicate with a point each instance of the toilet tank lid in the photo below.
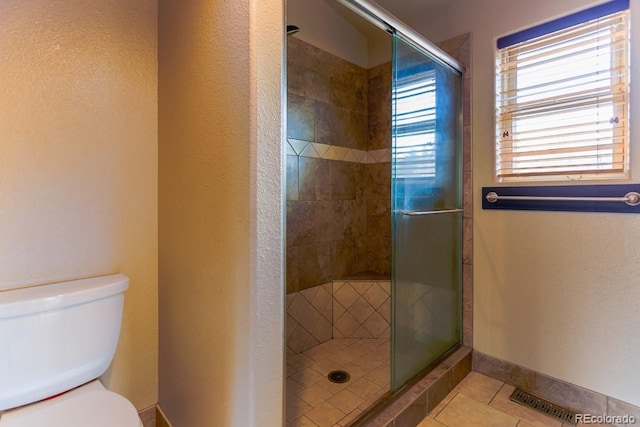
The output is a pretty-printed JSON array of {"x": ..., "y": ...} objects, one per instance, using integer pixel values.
[{"x": 20, "y": 302}]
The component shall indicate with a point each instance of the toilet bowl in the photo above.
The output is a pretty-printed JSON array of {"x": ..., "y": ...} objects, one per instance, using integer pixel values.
[
  {"x": 90, "y": 405},
  {"x": 59, "y": 339}
]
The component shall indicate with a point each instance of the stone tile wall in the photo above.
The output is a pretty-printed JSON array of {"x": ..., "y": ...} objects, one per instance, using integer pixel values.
[
  {"x": 338, "y": 171},
  {"x": 361, "y": 309},
  {"x": 379, "y": 107},
  {"x": 339, "y": 309},
  {"x": 323, "y": 247},
  {"x": 460, "y": 48},
  {"x": 309, "y": 318}
]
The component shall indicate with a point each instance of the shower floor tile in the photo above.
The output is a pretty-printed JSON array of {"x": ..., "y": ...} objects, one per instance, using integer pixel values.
[{"x": 312, "y": 400}]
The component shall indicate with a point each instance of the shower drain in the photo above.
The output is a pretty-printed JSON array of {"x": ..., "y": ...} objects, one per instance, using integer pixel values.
[
  {"x": 542, "y": 405},
  {"x": 338, "y": 376}
]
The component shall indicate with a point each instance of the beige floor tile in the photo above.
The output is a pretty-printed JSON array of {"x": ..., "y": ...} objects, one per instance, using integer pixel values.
[
  {"x": 356, "y": 371},
  {"x": 325, "y": 415},
  {"x": 293, "y": 387},
  {"x": 314, "y": 395},
  {"x": 364, "y": 388},
  {"x": 367, "y": 363},
  {"x": 443, "y": 403},
  {"x": 364, "y": 359},
  {"x": 318, "y": 352},
  {"x": 323, "y": 367},
  {"x": 296, "y": 407},
  {"x": 372, "y": 401},
  {"x": 583, "y": 425},
  {"x": 307, "y": 377},
  {"x": 479, "y": 387},
  {"x": 302, "y": 422},
  {"x": 358, "y": 348},
  {"x": 366, "y": 345},
  {"x": 351, "y": 417},
  {"x": 381, "y": 355},
  {"x": 342, "y": 357},
  {"x": 463, "y": 411},
  {"x": 502, "y": 403},
  {"x": 379, "y": 376},
  {"x": 430, "y": 422},
  {"x": 333, "y": 388},
  {"x": 346, "y": 401},
  {"x": 299, "y": 361},
  {"x": 323, "y": 347}
]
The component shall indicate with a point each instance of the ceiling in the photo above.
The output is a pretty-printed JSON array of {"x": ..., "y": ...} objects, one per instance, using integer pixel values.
[
  {"x": 405, "y": 10},
  {"x": 332, "y": 27}
]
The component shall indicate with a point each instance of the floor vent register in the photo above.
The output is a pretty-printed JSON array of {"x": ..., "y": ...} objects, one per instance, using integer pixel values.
[{"x": 544, "y": 406}]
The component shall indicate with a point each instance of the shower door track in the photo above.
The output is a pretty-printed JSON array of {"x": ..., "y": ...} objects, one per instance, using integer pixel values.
[{"x": 383, "y": 19}]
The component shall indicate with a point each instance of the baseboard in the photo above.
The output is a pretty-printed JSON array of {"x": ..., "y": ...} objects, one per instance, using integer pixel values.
[
  {"x": 161, "y": 418},
  {"x": 148, "y": 416},
  {"x": 153, "y": 417},
  {"x": 576, "y": 398}
]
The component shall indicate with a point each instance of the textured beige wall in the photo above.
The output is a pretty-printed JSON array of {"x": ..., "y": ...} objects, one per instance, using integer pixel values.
[
  {"x": 554, "y": 292},
  {"x": 78, "y": 160},
  {"x": 322, "y": 26},
  {"x": 220, "y": 212}
]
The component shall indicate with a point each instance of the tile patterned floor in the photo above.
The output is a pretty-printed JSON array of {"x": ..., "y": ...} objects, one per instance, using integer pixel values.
[
  {"x": 480, "y": 401},
  {"x": 314, "y": 401}
]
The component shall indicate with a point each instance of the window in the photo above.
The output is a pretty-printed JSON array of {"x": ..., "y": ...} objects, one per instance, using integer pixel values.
[
  {"x": 562, "y": 98},
  {"x": 415, "y": 116}
]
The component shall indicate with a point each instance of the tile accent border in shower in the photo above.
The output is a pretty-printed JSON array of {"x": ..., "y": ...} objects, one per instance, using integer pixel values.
[
  {"x": 317, "y": 150},
  {"x": 338, "y": 309}
]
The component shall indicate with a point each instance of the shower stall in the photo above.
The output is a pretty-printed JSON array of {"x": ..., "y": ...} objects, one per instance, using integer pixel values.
[{"x": 374, "y": 212}]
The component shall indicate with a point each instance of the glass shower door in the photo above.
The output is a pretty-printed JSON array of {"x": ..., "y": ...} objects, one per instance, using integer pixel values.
[{"x": 427, "y": 214}]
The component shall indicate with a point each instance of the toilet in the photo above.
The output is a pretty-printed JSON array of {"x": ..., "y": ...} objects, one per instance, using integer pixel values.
[{"x": 55, "y": 341}]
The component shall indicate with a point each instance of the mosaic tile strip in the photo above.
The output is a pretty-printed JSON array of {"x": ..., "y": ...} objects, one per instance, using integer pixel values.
[{"x": 317, "y": 150}]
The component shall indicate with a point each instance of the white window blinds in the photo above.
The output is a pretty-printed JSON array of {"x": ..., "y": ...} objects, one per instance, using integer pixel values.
[
  {"x": 415, "y": 117},
  {"x": 562, "y": 103}
]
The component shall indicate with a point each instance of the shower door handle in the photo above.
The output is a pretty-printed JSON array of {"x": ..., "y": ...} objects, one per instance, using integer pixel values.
[{"x": 437, "y": 212}]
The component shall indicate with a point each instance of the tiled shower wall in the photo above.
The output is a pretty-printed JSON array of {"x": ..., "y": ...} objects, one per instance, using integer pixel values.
[
  {"x": 460, "y": 49},
  {"x": 321, "y": 170},
  {"x": 338, "y": 172},
  {"x": 339, "y": 309}
]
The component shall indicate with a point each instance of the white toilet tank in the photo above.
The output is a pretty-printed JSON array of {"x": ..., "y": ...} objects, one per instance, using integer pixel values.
[{"x": 56, "y": 337}]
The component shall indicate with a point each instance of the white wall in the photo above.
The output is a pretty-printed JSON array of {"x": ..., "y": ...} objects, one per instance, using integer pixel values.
[
  {"x": 220, "y": 212},
  {"x": 322, "y": 26},
  {"x": 78, "y": 160},
  {"x": 554, "y": 292}
]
